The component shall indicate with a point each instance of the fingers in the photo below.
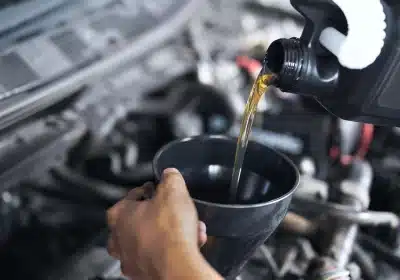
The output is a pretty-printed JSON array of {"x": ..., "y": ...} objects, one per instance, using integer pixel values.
[
  {"x": 202, "y": 235},
  {"x": 113, "y": 213},
  {"x": 142, "y": 193},
  {"x": 172, "y": 183},
  {"x": 136, "y": 194},
  {"x": 112, "y": 247}
]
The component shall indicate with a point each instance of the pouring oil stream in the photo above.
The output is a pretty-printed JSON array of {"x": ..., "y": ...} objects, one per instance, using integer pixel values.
[{"x": 260, "y": 86}]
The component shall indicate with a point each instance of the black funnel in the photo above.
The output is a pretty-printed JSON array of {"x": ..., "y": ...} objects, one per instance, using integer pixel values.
[{"x": 234, "y": 230}]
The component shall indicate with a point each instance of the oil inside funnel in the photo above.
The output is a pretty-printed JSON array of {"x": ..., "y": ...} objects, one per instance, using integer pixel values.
[
  {"x": 235, "y": 230},
  {"x": 212, "y": 184}
]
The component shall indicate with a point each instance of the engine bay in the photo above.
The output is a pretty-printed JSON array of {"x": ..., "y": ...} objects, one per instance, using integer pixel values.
[{"x": 101, "y": 86}]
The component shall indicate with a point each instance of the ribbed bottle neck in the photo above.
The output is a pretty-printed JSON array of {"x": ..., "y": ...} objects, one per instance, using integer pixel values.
[{"x": 286, "y": 58}]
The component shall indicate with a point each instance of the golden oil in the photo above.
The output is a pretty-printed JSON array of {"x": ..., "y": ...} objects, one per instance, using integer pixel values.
[{"x": 260, "y": 87}]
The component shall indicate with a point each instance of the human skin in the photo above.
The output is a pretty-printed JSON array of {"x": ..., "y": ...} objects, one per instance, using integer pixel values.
[{"x": 155, "y": 233}]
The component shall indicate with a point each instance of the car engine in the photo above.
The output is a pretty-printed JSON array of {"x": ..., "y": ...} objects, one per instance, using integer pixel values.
[{"x": 90, "y": 90}]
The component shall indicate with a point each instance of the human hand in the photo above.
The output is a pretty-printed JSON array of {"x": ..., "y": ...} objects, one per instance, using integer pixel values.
[{"x": 153, "y": 236}]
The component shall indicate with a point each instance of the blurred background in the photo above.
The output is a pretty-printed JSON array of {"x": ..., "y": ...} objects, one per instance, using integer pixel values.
[{"x": 90, "y": 90}]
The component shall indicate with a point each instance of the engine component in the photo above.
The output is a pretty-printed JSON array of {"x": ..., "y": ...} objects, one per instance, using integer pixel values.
[
  {"x": 207, "y": 109},
  {"x": 10, "y": 205},
  {"x": 13, "y": 15},
  {"x": 46, "y": 141},
  {"x": 297, "y": 135},
  {"x": 81, "y": 52},
  {"x": 325, "y": 269},
  {"x": 92, "y": 264}
]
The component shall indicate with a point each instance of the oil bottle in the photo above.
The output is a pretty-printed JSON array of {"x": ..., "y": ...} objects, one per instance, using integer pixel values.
[{"x": 348, "y": 58}]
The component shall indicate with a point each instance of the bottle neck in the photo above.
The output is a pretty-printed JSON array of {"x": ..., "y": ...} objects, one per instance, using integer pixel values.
[{"x": 299, "y": 70}]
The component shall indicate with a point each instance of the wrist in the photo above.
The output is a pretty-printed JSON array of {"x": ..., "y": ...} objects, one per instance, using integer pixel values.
[{"x": 188, "y": 264}]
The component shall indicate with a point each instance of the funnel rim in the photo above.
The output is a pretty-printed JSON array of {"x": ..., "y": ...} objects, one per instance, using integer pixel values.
[{"x": 230, "y": 206}]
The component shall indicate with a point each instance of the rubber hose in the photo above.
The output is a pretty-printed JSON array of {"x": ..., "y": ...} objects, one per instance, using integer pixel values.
[
  {"x": 381, "y": 251},
  {"x": 136, "y": 176},
  {"x": 364, "y": 260},
  {"x": 92, "y": 188}
]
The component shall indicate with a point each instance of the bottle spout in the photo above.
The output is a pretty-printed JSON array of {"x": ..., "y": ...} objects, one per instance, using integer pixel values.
[
  {"x": 298, "y": 69},
  {"x": 286, "y": 58}
]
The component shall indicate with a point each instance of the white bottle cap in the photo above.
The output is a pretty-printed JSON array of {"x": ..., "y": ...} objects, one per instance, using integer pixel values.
[{"x": 366, "y": 33}]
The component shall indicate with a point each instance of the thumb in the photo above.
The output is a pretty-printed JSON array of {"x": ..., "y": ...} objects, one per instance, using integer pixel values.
[{"x": 172, "y": 183}]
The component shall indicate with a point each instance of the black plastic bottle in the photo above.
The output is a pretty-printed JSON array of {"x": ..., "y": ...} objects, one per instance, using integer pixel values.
[{"x": 304, "y": 66}]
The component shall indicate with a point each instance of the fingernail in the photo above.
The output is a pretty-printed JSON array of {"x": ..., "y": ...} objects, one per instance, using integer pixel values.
[
  {"x": 202, "y": 227},
  {"x": 170, "y": 171}
]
